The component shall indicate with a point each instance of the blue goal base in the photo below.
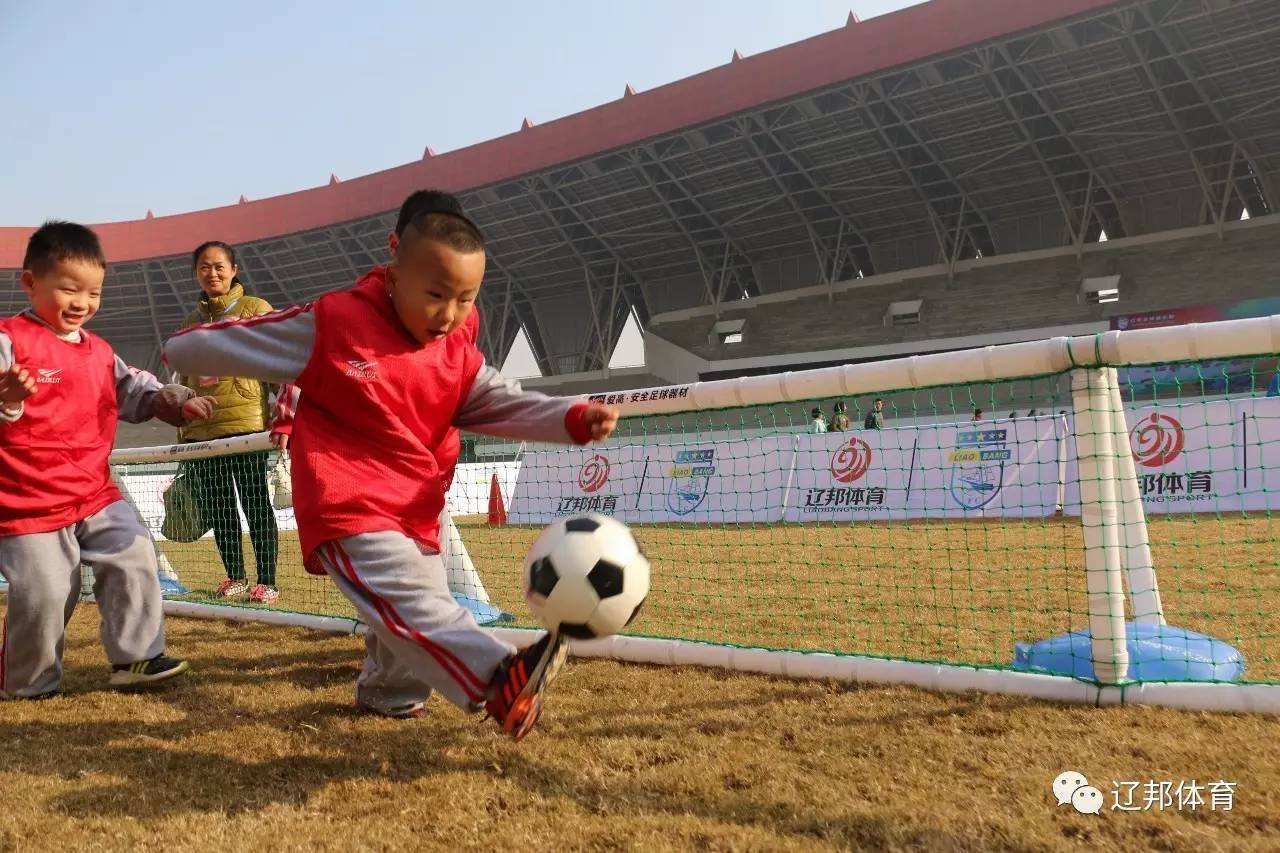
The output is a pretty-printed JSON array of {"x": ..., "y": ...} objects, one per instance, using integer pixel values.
[
  {"x": 172, "y": 588},
  {"x": 486, "y": 614},
  {"x": 1156, "y": 653}
]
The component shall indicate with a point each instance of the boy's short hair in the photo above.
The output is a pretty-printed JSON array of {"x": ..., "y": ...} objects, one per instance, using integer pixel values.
[
  {"x": 438, "y": 215},
  {"x": 57, "y": 241}
]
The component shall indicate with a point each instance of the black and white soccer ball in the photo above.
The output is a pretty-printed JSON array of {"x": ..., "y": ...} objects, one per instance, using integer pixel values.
[{"x": 586, "y": 577}]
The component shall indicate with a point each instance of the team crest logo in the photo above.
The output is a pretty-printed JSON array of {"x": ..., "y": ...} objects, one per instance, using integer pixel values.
[
  {"x": 850, "y": 461},
  {"x": 594, "y": 474},
  {"x": 690, "y": 476},
  {"x": 363, "y": 370},
  {"x": 1156, "y": 440},
  {"x": 977, "y": 466},
  {"x": 49, "y": 375}
]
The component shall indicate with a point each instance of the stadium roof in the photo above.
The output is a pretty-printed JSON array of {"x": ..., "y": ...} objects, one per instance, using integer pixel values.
[{"x": 944, "y": 131}]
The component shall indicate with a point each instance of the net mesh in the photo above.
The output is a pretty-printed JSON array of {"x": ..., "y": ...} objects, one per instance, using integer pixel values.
[{"x": 944, "y": 526}]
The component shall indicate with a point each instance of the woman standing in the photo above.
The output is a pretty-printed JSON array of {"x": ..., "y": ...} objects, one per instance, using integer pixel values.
[{"x": 242, "y": 409}]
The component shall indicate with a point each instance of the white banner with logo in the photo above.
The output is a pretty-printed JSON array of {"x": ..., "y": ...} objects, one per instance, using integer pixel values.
[
  {"x": 1219, "y": 456},
  {"x": 844, "y": 476},
  {"x": 987, "y": 469},
  {"x": 723, "y": 481},
  {"x": 554, "y": 483},
  {"x": 1192, "y": 457},
  {"x": 942, "y": 471}
]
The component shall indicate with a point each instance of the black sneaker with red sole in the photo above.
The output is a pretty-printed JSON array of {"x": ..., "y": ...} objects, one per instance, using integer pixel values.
[{"x": 515, "y": 702}]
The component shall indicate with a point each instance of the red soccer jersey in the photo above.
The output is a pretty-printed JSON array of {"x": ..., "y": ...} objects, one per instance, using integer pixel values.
[
  {"x": 53, "y": 459},
  {"x": 374, "y": 446}
]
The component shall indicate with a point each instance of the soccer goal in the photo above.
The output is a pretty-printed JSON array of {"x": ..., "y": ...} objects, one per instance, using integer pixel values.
[{"x": 1086, "y": 519}]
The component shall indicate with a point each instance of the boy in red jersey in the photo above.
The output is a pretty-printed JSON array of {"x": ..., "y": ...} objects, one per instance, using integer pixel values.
[
  {"x": 61, "y": 391},
  {"x": 388, "y": 372}
]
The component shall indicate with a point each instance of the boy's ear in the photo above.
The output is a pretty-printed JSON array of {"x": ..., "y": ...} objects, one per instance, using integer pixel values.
[
  {"x": 393, "y": 243},
  {"x": 28, "y": 280}
]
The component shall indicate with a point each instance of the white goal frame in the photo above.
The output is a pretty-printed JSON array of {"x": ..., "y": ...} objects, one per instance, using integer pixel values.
[{"x": 1118, "y": 556}]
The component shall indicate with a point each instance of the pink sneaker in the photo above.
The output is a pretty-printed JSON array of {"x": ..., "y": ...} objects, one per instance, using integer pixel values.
[
  {"x": 230, "y": 588},
  {"x": 263, "y": 594}
]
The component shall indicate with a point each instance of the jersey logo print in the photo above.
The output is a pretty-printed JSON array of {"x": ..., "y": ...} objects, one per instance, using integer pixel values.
[
  {"x": 49, "y": 375},
  {"x": 362, "y": 370}
]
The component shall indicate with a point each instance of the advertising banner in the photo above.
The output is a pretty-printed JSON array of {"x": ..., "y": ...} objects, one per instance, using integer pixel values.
[
  {"x": 555, "y": 483},
  {"x": 729, "y": 481}
]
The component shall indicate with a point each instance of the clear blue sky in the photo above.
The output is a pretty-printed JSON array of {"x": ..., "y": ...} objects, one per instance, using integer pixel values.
[{"x": 113, "y": 108}]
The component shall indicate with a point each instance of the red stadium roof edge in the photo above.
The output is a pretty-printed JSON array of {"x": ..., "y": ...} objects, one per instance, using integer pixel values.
[{"x": 855, "y": 50}]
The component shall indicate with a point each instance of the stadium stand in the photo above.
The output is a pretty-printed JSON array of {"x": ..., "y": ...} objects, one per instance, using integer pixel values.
[{"x": 990, "y": 300}]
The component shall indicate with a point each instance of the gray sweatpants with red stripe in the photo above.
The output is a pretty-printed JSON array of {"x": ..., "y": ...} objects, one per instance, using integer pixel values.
[
  {"x": 419, "y": 638},
  {"x": 43, "y": 571}
]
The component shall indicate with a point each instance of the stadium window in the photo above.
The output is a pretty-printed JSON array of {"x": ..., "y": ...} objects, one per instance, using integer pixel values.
[
  {"x": 1101, "y": 289},
  {"x": 729, "y": 331},
  {"x": 906, "y": 313}
]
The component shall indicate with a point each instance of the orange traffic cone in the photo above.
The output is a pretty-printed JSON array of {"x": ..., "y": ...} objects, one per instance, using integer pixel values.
[{"x": 497, "y": 511}]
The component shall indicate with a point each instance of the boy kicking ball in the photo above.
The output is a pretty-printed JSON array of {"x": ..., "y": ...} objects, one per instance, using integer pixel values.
[
  {"x": 388, "y": 372},
  {"x": 61, "y": 391}
]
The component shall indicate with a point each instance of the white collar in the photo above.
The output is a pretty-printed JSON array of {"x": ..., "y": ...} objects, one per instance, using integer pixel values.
[{"x": 72, "y": 336}]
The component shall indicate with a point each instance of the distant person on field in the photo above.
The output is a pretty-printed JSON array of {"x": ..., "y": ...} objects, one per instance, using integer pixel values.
[
  {"x": 875, "y": 417},
  {"x": 840, "y": 418},
  {"x": 1273, "y": 390},
  {"x": 388, "y": 373},
  {"x": 243, "y": 409},
  {"x": 818, "y": 424},
  {"x": 977, "y": 415},
  {"x": 62, "y": 389}
]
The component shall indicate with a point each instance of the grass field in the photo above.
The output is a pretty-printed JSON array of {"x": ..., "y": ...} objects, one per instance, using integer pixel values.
[
  {"x": 954, "y": 591},
  {"x": 259, "y": 749}
]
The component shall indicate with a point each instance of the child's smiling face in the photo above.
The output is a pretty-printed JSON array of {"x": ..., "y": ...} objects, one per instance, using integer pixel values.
[{"x": 67, "y": 294}]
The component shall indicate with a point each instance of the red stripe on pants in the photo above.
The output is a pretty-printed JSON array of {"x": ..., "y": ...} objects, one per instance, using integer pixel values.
[
  {"x": 473, "y": 687},
  {"x": 4, "y": 652}
]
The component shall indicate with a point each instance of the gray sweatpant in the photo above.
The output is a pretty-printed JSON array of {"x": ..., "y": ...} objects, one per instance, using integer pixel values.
[
  {"x": 43, "y": 571},
  {"x": 419, "y": 637}
]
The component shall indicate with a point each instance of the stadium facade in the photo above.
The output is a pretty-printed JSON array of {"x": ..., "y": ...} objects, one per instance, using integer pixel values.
[{"x": 957, "y": 173}]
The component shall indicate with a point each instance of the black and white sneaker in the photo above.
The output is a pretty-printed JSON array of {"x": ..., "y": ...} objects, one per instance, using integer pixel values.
[{"x": 145, "y": 672}]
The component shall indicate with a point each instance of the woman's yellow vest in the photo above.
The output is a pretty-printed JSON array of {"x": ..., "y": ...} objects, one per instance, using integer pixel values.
[{"x": 242, "y": 403}]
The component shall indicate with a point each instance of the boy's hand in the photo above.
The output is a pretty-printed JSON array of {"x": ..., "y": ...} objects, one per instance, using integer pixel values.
[
  {"x": 198, "y": 408},
  {"x": 600, "y": 420},
  {"x": 16, "y": 385},
  {"x": 280, "y": 440}
]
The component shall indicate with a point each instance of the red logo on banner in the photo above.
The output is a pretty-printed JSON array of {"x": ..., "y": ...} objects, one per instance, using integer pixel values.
[
  {"x": 1156, "y": 440},
  {"x": 851, "y": 460},
  {"x": 594, "y": 474}
]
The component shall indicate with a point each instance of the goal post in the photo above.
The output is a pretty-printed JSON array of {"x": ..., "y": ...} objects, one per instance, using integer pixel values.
[
  {"x": 144, "y": 474},
  {"x": 1103, "y": 531}
]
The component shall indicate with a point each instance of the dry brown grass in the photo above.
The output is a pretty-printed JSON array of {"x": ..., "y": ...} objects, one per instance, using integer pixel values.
[
  {"x": 954, "y": 591},
  {"x": 259, "y": 749}
]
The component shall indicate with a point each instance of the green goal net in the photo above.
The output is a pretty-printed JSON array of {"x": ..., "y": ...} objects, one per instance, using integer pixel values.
[{"x": 1109, "y": 524}]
